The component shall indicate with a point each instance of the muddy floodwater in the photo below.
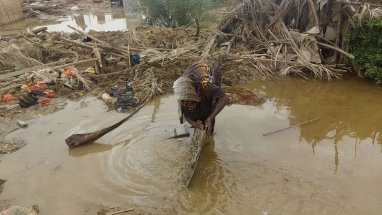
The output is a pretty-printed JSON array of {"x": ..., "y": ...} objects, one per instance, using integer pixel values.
[{"x": 330, "y": 166}]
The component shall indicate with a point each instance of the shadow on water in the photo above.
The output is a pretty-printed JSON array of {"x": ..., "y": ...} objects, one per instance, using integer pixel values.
[
  {"x": 93, "y": 148},
  {"x": 347, "y": 108}
]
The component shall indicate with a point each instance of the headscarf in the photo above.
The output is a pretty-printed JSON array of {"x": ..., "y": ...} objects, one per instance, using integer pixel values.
[{"x": 184, "y": 90}]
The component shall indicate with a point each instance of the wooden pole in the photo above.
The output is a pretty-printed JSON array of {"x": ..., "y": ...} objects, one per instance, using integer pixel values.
[
  {"x": 119, "y": 212},
  {"x": 336, "y": 49},
  {"x": 86, "y": 34},
  {"x": 293, "y": 126}
]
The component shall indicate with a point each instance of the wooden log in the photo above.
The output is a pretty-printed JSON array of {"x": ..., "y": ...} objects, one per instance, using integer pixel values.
[
  {"x": 88, "y": 62},
  {"x": 108, "y": 49},
  {"x": 336, "y": 49},
  {"x": 76, "y": 43},
  {"x": 23, "y": 71},
  {"x": 82, "y": 63},
  {"x": 76, "y": 140},
  {"x": 38, "y": 30},
  {"x": 86, "y": 34}
]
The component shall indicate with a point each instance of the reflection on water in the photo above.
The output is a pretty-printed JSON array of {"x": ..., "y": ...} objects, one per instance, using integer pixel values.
[
  {"x": 86, "y": 22},
  {"x": 116, "y": 20},
  {"x": 347, "y": 109},
  {"x": 89, "y": 149}
]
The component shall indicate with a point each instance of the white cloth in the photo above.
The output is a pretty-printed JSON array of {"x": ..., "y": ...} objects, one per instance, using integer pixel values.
[{"x": 184, "y": 90}]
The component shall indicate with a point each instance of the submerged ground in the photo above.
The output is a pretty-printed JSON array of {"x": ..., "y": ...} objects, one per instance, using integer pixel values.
[{"x": 330, "y": 166}]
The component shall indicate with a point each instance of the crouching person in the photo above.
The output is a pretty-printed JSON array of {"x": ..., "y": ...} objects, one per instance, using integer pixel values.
[{"x": 200, "y": 96}]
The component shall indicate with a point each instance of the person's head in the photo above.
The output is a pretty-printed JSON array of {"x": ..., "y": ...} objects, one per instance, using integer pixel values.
[{"x": 184, "y": 90}]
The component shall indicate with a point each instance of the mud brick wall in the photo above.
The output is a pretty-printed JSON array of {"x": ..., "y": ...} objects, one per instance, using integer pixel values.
[{"x": 10, "y": 11}]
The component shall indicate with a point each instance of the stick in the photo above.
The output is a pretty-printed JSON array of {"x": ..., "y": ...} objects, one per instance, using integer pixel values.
[
  {"x": 86, "y": 34},
  {"x": 336, "y": 49},
  {"x": 77, "y": 43},
  {"x": 128, "y": 53},
  {"x": 293, "y": 126},
  {"x": 207, "y": 48},
  {"x": 118, "y": 212},
  {"x": 38, "y": 30},
  {"x": 91, "y": 47},
  {"x": 20, "y": 72}
]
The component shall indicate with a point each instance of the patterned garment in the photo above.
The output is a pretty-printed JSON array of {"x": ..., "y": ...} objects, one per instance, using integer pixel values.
[
  {"x": 202, "y": 73},
  {"x": 206, "y": 77}
]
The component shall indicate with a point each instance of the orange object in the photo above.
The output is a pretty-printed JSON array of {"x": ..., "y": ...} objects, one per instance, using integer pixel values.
[
  {"x": 8, "y": 97},
  {"x": 38, "y": 86},
  {"x": 44, "y": 100},
  {"x": 49, "y": 93},
  {"x": 68, "y": 71},
  {"x": 35, "y": 85}
]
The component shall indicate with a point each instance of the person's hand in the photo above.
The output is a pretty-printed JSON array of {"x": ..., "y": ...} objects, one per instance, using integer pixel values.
[
  {"x": 198, "y": 124},
  {"x": 208, "y": 126}
]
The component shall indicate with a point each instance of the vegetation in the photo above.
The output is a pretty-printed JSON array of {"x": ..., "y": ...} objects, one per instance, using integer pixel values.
[
  {"x": 365, "y": 42},
  {"x": 175, "y": 13}
]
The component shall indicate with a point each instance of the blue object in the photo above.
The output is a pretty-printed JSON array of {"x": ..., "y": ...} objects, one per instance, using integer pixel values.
[
  {"x": 125, "y": 97},
  {"x": 134, "y": 59}
]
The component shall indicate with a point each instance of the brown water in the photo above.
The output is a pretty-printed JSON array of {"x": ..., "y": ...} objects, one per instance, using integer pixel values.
[{"x": 331, "y": 166}]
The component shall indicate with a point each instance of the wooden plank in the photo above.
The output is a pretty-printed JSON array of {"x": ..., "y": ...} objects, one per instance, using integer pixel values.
[{"x": 85, "y": 63}]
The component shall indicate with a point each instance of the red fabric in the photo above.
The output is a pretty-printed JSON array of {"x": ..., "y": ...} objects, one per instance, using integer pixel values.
[
  {"x": 68, "y": 71},
  {"x": 44, "y": 100},
  {"x": 49, "y": 93},
  {"x": 8, "y": 97}
]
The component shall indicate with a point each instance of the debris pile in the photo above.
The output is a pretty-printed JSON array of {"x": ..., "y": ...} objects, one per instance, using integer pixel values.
[
  {"x": 61, "y": 7},
  {"x": 39, "y": 66},
  {"x": 301, "y": 37},
  {"x": 258, "y": 37}
]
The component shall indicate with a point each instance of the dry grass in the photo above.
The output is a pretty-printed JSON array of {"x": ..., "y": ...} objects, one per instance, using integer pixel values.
[{"x": 285, "y": 38}]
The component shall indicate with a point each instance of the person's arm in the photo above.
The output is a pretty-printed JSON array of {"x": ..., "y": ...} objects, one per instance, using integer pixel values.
[
  {"x": 195, "y": 124},
  {"x": 222, "y": 102}
]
